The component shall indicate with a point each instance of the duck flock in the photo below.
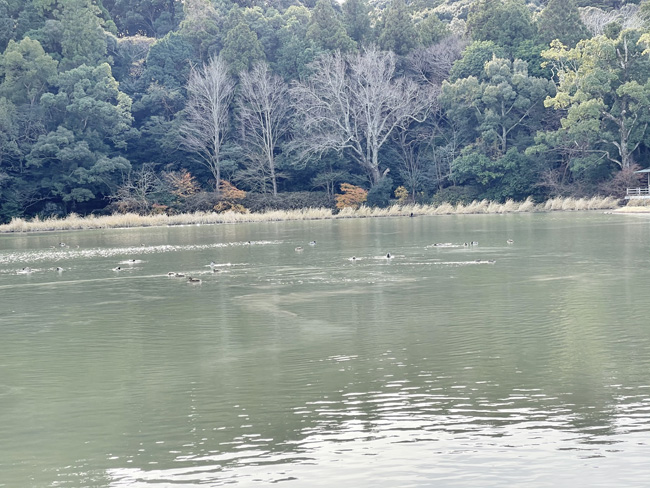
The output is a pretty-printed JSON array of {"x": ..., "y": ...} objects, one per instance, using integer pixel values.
[{"x": 299, "y": 249}]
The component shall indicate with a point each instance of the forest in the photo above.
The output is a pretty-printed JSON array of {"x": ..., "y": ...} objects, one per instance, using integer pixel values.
[{"x": 170, "y": 106}]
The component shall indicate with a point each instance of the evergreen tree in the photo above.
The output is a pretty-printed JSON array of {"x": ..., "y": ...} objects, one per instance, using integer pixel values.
[
  {"x": 326, "y": 30},
  {"x": 560, "y": 19},
  {"x": 397, "y": 32},
  {"x": 241, "y": 48},
  {"x": 506, "y": 22},
  {"x": 356, "y": 18},
  {"x": 83, "y": 40},
  {"x": 26, "y": 71}
]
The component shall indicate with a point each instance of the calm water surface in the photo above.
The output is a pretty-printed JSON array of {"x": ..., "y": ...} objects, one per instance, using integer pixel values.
[{"x": 436, "y": 368}]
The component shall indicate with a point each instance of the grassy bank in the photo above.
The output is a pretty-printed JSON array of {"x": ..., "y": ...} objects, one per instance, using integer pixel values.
[{"x": 75, "y": 222}]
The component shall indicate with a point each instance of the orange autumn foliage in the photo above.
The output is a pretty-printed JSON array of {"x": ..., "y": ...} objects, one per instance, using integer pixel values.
[
  {"x": 228, "y": 191},
  {"x": 182, "y": 183},
  {"x": 352, "y": 196}
]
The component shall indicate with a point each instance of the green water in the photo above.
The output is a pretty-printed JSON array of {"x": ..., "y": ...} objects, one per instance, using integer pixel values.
[{"x": 435, "y": 368}]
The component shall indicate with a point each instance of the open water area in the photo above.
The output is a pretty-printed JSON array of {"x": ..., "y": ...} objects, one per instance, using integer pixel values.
[{"x": 488, "y": 365}]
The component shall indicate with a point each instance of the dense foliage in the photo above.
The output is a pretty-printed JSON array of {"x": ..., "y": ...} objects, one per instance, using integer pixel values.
[{"x": 171, "y": 105}]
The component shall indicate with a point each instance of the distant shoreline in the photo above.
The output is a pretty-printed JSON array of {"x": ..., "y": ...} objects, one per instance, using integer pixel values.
[{"x": 117, "y": 221}]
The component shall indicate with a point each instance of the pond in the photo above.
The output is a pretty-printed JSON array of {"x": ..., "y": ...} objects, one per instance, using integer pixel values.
[{"x": 474, "y": 362}]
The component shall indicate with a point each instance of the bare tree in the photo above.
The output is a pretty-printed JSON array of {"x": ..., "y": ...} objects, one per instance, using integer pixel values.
[
  {"x": 353, "y": 103},
  {"x": 264, "y": 117},
  {"x": 596, "y": 19},
  {"x": 134, "y": 194},
  {"x": 210, "y": 91},
  {"x": 432, "y": 64}
]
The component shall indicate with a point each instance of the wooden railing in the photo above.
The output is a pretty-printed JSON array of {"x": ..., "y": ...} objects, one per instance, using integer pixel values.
[{"x": 638, "y": 192}]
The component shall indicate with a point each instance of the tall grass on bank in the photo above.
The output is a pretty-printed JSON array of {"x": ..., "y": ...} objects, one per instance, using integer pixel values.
[{"x": 75, "y": 222}]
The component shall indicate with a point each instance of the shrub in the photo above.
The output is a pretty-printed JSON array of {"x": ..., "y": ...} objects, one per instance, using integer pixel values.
[
  {"x": 401, "y": 193},
  {"x": 352, "y": 196},
  {"x": 261, "y": 202},
  {"x": 455, "y": 195}
]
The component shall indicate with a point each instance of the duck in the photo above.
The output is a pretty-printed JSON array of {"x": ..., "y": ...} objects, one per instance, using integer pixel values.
[
  {"x": 193, "y": 280},
  {"x": 26, "y": 270},
  {"x": 117, "y": 269},
  {"x": 353, "y": 258},
  {"x": 388, "y": 256},
  {"x": 59, "y": 269},
  {"x": 298, "y": 249},
  {"x": 215, "y": 270},
  {"x": 171, "y": 273},
  {"x": 510, "y": 241},
  {"x": 474, "y": 243},
  {"x": 312, "y": 243}
]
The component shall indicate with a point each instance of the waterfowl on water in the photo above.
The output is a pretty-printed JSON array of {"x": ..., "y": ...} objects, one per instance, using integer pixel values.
[
  {"x": 174, "y": 274},
  {"x": 25, "y": 270},
  {"x": 298, "y": 249},
  {"x": 388, "y": 256},
  {"x": 193, "y": 280},
  {"x": 510, "y": 241},
  {"x": 59, "y": 269},
  {"x": 353, "y": 258},
  {"x": 474, "y": 243},
  {"x": 312, "y": 243},
  {"x": 117, "y": 269}
]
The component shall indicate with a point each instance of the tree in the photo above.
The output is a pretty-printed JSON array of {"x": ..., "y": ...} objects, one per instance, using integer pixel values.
[
  {"x": 241, "y": 48},
  {"x": 205, "y": 125},
  {"x": 152, "y": 18},
  {"x": 352, "y": 196},
  {"x": 353, "y": 103},
  {"x": 26, "y": 71},
  {"x": 500, "y": 107},
  {"x": 472, "y": 62},
  {"x": 433, "y": 64},
  {"x": 397, "y": 33},
  {"x": 295, "y": 51},
  {"x": 430, "y": 28},
  {"x": 506, "y": 22},
  {"x": 604, "y": 90},
  {"x": 264, "y": 117},
  {"x": 88, "y": 102},
  {"x": 68, "y": 169},
  {"x": 326, "y": 30},
  {"x": 560, "y": 19},
  {"x": 356, "y": 18},
  {"x": 83, "y": 38},
  {"x": 511, "y": 176}
]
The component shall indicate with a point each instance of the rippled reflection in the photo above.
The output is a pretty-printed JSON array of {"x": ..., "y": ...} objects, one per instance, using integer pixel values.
[{"x": 453, "y": 365}]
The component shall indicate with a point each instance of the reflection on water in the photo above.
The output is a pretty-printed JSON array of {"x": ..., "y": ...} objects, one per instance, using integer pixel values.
[{"x": 482, "y": 365}]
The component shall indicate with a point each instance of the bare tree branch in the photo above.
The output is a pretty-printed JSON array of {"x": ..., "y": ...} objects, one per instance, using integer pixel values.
[
  {"x": 263, "y": 115},
  {"x": 353, "y": 103},
  {"x": 210, "y": 91}
]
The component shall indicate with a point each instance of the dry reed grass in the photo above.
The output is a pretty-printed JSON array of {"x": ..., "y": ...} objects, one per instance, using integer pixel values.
[{"x": 75, "y": 222}]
